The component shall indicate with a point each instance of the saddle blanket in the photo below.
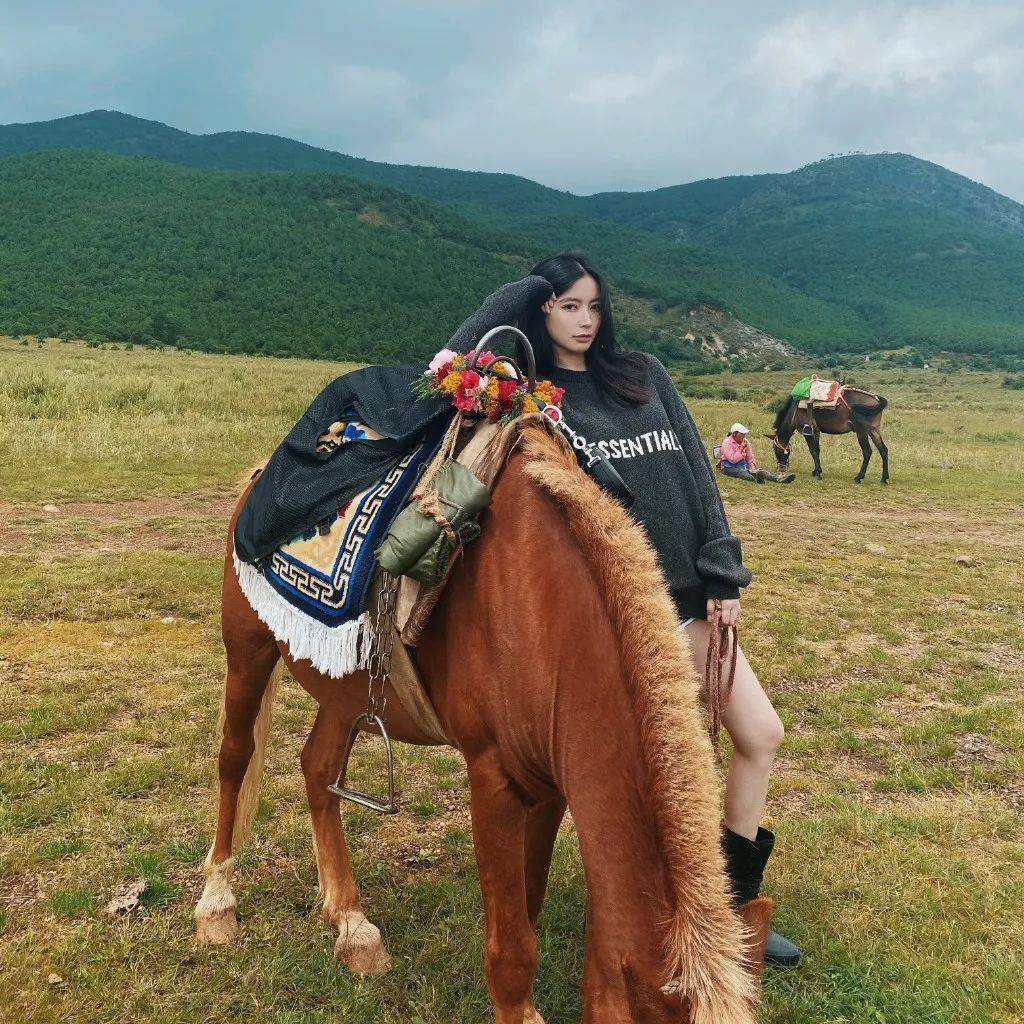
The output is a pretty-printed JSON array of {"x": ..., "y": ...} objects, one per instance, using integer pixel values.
[
  {"x": 814, "y": 391},
  {"x": 312, "y": 591},
  {"x": 824, "y": 392}
]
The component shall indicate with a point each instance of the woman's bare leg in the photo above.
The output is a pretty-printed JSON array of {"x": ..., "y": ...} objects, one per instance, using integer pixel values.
[{"x": 756, "y": 733}]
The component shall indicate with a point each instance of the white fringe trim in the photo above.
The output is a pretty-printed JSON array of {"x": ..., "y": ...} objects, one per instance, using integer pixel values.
[{"x": 334, "y": 650}]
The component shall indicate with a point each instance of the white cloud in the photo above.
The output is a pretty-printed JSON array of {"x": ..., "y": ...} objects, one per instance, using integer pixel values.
[
  {"x": 352, "y": 84},
  {"x": 882, "y": 48},
  {"x": 576, "y": 94}
]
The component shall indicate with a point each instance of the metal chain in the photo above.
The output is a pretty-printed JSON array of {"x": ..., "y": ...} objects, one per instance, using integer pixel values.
[{"x": 380, "y": 651}]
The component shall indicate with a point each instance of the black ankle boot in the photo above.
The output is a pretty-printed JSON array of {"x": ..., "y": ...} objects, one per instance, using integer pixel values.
[{"x": 745, "y": 860}]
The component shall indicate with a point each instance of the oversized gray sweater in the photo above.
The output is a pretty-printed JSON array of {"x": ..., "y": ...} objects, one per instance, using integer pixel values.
[{"x": 658, "y": 452}]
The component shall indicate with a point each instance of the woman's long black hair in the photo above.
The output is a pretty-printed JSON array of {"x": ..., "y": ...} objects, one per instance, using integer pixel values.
[{"x": 621, "y": 375}]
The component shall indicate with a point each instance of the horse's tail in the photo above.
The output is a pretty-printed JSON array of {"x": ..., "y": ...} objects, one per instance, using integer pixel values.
[
  {"x": 783, "y": 412},
  {"x": 249, "y": 794}
]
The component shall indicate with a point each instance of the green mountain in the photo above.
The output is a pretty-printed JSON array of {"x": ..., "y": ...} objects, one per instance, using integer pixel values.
[
  {"x": 844, "y": 255},
  {"x": 120, "y": 247},
  {"x": 317, "y": 264},
  {"x": 114, "y": 132},
  {"x": 924, "y": 255}
]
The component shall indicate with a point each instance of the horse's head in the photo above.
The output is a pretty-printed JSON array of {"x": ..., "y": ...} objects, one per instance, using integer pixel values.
[{"x": 782, "y": 451}]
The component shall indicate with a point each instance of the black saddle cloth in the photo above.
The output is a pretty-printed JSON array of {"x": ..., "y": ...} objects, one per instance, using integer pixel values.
[{"x": 300, "y": 486}]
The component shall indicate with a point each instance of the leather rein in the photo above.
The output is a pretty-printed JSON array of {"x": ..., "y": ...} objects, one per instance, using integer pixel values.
[{"x": 719, "y": 672}]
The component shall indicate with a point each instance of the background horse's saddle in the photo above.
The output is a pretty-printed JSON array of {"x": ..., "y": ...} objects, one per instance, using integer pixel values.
[{"x": 821, "y": 394}]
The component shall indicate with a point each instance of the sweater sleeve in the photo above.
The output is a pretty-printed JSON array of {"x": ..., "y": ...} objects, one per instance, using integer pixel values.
[
  {"x": 720, "y": 559},
  {"x": 501, "y": 307}
]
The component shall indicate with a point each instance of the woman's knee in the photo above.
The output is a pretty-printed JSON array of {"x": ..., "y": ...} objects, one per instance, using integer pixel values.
[
  {"x": 760, "y": 738},
  {"x": 757, "y": 730}
]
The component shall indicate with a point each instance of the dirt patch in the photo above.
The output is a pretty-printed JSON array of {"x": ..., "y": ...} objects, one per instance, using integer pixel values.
[
  {"x": 416, "y": 842},
  {"x": 974, "y": 748},
  {"x": 196, "y": 523},
  {"x": 794, "y": 804},
  {"x": 19, "y": 891}
]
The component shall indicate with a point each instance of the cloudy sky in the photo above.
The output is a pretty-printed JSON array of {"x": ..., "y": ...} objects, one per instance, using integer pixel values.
[{"x": 585, "y": 96}]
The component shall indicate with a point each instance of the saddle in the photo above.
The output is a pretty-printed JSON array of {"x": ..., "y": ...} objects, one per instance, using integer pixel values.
[
  {"x": 483, "y": 448},
  {"x": 814, "y": 393}
]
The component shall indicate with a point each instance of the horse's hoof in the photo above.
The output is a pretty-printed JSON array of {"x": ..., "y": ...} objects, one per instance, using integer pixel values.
[
  {"x": 885, "y": 483},
  {"x": 359, "y": 946},
  {"x": 532, "y": 1016},
  {"x": 218, "y": 928},
  {"x": 858, "y": 479}
]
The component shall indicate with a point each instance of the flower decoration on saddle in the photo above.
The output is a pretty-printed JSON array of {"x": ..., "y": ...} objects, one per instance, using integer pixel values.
[{"x": 493, "y": 389}]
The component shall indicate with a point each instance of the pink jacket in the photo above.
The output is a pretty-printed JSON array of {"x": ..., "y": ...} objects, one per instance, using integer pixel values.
[{"x": 733, "y": 452}]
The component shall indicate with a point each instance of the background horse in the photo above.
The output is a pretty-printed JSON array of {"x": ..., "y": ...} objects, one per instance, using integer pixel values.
[
  {"x": 611, "y": 728},
  {"x": 857, "y": 410}
]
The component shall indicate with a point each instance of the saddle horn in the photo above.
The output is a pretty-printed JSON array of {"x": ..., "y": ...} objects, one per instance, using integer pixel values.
[{"x": 523, "y": 347}]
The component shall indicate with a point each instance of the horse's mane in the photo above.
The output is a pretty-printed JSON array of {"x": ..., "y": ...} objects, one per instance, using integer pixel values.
[
  {"x": 783, "y": 412},
  {"x": 704, "y": 944}
]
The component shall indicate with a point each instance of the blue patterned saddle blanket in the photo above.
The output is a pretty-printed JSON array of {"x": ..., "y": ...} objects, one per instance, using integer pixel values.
[{"x": 312, "y": 591}]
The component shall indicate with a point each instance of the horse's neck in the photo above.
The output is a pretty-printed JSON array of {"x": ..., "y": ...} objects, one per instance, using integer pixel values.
[
  {"x": 602, "y": 775},
  {"x": 522, "y": 653}
]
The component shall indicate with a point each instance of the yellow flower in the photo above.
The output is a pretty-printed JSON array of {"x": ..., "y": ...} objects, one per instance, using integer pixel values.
[
  {"x": 451, "y": 383},
  {"x": 529, "y": 405}
]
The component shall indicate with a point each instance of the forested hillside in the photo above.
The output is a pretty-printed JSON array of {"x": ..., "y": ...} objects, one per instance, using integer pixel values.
[
  {"x": 318, "y": 264},
  {"x": 323, "y": 265},
  {"x": 926, "y": 256},
  {"x": 844, "y": 255}
]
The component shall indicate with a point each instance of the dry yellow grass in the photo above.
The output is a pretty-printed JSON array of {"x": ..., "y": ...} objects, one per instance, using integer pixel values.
[{"x": 898, "y": 673}]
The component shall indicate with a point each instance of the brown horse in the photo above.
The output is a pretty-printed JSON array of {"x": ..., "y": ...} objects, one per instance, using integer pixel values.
[
  {"x": 858, "y": 411},
  {"x": 555, "y": 665}
]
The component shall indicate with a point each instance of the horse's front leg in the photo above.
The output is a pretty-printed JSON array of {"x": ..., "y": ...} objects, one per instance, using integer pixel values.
[
  {"x": 542, "y": 822},
  {"x": 359, "y": 944},
  {"x": 499, "y": 837},
  {"x": 814, "y": 447}
]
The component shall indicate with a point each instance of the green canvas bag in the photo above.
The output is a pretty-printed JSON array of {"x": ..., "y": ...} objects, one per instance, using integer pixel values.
[{"x": 426, "y": 533}]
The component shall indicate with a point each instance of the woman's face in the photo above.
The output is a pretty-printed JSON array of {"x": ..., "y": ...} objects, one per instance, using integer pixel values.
[{"x": 573, "y": 319}]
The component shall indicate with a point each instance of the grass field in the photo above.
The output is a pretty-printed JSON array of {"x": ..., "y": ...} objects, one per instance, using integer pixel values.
[{"x": 884, "y": 623}]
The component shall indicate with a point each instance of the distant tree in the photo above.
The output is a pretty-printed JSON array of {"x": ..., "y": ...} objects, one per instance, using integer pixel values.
[{"x": 164, "y": 329}]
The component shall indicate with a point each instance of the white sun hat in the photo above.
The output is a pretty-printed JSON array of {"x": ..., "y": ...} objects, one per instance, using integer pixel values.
[{"x": 738, "y": 426}]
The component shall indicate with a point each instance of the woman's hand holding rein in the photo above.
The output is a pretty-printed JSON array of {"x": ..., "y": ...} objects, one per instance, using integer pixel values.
[{"x": 730, "y": 609}]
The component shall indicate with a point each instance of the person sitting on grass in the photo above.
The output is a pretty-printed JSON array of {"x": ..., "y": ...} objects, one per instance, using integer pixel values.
[{"x": 737, "y": 459}]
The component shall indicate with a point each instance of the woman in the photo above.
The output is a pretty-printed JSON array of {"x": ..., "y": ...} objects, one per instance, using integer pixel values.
[
  {"x": 626, "y": 404},
  {"x": 738, "y": 459}
]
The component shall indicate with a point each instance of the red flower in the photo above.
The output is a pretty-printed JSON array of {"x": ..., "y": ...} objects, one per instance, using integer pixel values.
[
  {"x": 556, "y": 395},
  {"x": 506, "y": 389},
  {"x": 464, "y": 402}
]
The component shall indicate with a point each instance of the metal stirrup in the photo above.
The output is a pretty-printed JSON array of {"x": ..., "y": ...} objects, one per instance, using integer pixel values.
[{"x": 372, "y": 719}]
